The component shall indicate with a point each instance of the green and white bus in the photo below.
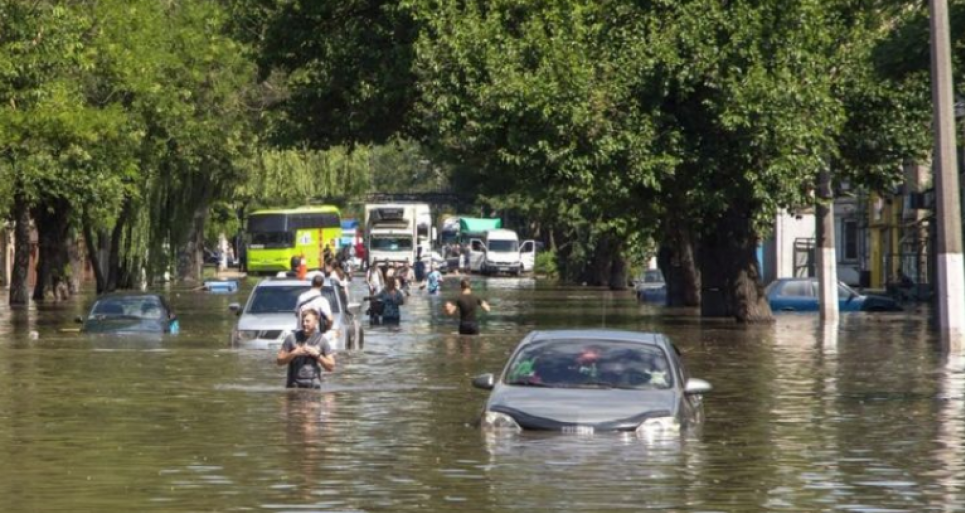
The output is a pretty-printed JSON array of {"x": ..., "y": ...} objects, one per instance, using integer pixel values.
[{"x": 275, "y": 236}]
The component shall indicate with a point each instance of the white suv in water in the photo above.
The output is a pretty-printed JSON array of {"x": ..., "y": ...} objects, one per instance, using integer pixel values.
[{"x": 269, "y": 315}]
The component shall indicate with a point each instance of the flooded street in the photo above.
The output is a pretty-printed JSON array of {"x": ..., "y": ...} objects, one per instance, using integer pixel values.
[{"x": 865, "y": 418}]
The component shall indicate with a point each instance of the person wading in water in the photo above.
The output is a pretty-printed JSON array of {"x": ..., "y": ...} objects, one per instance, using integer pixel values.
[
  {"x": 466, "y": 306},
  {"x": 306, "y": 352}
]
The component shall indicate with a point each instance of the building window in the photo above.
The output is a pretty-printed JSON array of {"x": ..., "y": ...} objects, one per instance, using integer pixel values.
[{"x": 849, "y": 242}]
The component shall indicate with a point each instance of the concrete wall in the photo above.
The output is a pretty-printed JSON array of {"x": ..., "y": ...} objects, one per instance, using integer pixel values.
[{"x": 779, "y": 247}]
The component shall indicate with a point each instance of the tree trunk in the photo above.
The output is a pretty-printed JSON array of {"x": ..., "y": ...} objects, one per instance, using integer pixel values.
[
  {"x": 596, "y": 272},
  {"x": 19, "y": 288},
  {"x": 678, "y": 262},
  {"x": 93, "y": 255},
  {"x": 114, "y": 270},
  {"x": 618, "y": 270},
  {"x": 53, "y": 260},
  {"x": 76, "y": 258},
  {"x": 191, "y": 257},
  {"x": 730, "y": 271}
]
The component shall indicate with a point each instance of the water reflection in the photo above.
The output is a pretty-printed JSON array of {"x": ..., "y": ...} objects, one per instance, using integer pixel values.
[{"x": 950, "y": 441}]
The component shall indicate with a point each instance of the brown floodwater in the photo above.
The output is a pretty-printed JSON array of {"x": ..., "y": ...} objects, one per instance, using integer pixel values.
[{"x": 866, "y": 416}]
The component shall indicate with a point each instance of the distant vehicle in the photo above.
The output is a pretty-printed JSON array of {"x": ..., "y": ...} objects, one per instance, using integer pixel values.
[
  {"x": 217, "y": 286},
  {"x": 801, "y": 295},
  {"x": 395, "y": 231},
  {"x": 213, "y": 257},
  {"x": 269, "y": 315},
  {"x": 276, "y": 236},
  {"x": 650, "y": 286},
  {"x": 593, "y": 380},
  {"x": 130, "y": 313},
  {"x": 499, "y": 251}
]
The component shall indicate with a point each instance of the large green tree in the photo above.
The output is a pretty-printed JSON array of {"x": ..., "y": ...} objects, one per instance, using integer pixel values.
[{"x": 540, "y": 100}]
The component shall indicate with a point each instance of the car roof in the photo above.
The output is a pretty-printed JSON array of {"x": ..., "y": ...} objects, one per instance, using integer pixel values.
[
  {"x": 600, "y": 334},
  {"x": 122, "y": 295},
  {"x": 284, "y": 282}
]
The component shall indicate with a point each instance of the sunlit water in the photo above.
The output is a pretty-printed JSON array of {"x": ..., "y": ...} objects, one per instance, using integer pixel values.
[{"x": 867, "y": 417}]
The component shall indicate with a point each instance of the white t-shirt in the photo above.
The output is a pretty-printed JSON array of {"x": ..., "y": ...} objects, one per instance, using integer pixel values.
[
  {"x": 375, "y": 280},
  {"x": 312, "y": 300}
]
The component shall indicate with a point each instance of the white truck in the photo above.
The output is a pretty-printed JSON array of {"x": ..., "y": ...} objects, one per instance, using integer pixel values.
[
  {"x": 499, "y": 251},
  {"x": 394, "y": 231}
]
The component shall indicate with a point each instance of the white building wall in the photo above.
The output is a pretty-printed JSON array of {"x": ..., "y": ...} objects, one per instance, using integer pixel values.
[{"x": 779, "y": 248}]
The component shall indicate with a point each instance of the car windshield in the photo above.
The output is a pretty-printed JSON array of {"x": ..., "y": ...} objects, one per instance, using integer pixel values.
[
  {"x": 503, "y": 246},
  {"x": 282, "y": 298},
  {"x": 590, "y": 364},
  {"x": 140, "y": 307},
  {"x": 653, "y": 276},
  {"x": 383, "y": 243},
  {"x": 275, "y": 299}
]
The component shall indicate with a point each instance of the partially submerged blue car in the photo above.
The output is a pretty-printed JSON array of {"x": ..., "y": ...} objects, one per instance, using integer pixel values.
[
  {"x": 801, "y": 295},
  {"x": 130, "y": 313}
]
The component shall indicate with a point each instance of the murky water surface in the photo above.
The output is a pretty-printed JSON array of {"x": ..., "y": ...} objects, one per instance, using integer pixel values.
[{"x": 865, "y": 418}]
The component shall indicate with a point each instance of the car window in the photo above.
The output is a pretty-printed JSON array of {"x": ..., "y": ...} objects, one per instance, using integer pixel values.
[
  {"x": 275, "y": 299},
  {"x": 844, "y": 291},
  {"x": 590, "y": 364},
  {"x": 142, "y": 307},
  {"x": 801, "y": 288}
]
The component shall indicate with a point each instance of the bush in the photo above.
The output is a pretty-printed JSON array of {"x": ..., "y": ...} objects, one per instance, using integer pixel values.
[{"x": 546, "y": 265}]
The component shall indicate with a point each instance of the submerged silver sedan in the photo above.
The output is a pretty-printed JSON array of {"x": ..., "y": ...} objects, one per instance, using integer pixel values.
[{"x": 593, "y": 380}]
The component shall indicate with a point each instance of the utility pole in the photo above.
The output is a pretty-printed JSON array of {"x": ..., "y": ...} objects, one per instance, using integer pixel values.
[
  {"x": 826, "y": 261},
  {"x": 951, "y": 273}
]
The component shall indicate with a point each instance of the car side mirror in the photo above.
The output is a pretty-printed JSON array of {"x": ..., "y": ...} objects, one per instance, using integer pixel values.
[
  {"x": 79, "y": 320},
  {"x": 697, "y": 386},
  {"x": 485, "y": 381},
  {"x": 235, "y": 307}
]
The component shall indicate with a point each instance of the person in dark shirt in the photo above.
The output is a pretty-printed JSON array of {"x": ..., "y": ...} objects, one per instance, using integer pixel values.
[
  {"x": 306, "y": 352},
  {"x": 466, "y": 305},
  {"x": 391, "y": 300}
]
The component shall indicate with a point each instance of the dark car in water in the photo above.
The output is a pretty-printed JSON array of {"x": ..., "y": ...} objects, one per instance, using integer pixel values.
[
  {"x": 801, "y": 295},
  {"x": 130, "y": 313},
  {"x": 593, "y": 380}
]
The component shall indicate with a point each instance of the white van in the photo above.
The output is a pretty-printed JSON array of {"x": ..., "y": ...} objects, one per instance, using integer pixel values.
[{"x": 499, "y": 252}]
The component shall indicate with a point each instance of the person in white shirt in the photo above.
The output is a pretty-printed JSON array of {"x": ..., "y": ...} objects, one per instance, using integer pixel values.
[{"x": 313, "y": 299}]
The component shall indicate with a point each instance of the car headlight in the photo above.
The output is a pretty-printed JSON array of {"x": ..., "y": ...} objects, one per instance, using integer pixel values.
[
  {"x": 500, "y": 421},
  {"x": 246, "y": 335},
  {"x": 659, "y": 424}
]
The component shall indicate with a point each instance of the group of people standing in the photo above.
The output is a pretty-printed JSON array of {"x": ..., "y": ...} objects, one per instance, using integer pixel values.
[{"x": 309, "y": 350}]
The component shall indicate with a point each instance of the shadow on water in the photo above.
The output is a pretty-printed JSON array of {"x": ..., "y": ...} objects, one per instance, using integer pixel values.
[{"x": 866, "y": 415}]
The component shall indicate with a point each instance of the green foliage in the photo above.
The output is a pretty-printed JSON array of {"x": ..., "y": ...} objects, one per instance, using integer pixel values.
[
  {"x": 345, "y": 67},
  {"x": 545, "y": 265}
]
